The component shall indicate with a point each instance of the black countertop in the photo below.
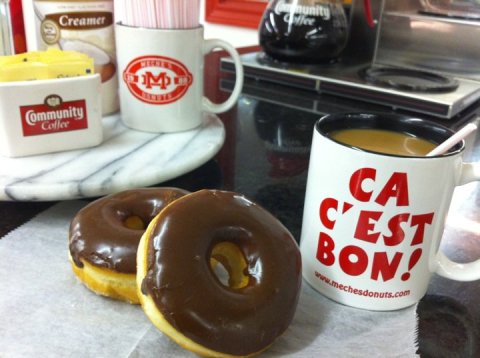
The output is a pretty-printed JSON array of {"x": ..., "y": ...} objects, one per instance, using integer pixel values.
[{"x": 265, "y": 157}]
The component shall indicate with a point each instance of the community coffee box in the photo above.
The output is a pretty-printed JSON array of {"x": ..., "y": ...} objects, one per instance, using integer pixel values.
[{"x": 46, "y": 116}]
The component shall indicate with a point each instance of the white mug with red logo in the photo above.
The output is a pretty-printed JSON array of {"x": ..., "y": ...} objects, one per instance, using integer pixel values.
[
  {"x": 161, "y": 77},
  {"x": 373, "y": 222}
]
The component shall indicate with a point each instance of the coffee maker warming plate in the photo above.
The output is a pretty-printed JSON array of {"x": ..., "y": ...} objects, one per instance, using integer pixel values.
[{"x": 344, "y": 79}]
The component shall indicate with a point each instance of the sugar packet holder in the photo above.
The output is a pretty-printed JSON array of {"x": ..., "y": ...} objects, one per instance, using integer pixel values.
[{"x": 46, "y": 116}]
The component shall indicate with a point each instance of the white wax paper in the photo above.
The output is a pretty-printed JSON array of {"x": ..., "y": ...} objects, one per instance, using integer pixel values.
[{"x": 46, "y": 312}]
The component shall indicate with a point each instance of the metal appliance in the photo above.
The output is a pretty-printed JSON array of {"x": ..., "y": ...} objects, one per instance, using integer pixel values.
[
  {"x": 420, "y": 56},
  {"x": 431, "y": 35}
]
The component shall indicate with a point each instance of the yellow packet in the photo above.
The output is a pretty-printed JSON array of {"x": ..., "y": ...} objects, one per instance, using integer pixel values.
[{"x": 49, "y": 64}]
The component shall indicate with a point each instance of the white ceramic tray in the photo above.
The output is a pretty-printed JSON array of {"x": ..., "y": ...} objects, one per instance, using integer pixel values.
[{"x": 125, "y": 159}]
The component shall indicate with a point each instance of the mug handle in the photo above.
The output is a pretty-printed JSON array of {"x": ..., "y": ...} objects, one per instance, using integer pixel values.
[
  {"x": 208, "y": 105},
  {"x": 461, "y": 271}
]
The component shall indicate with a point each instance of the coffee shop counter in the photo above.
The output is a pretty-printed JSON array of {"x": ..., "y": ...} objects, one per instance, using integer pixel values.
[{"x": 265, "y": 157}]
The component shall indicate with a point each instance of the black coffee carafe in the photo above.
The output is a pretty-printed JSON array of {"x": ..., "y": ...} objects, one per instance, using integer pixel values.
[{"x": 304, "y": 31}]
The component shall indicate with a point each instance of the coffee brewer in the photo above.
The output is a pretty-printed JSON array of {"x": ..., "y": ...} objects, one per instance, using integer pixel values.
[
  {"x": 417, "y": 55},
  {"x": 432, "y": 35}
]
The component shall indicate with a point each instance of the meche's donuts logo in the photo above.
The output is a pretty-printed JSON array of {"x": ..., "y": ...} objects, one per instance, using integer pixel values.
[{"x": 157, "y": 79}]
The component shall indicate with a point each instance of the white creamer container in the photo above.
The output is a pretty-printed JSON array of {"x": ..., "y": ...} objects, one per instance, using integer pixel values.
[
  {"x": 84, "y": 26},
  {"x": 46, "y": 116}
]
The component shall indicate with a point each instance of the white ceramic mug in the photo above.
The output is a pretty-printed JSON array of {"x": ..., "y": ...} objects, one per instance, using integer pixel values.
[
  {"x": 373, "y": 222},
  {"x": 161, "y": 77}
]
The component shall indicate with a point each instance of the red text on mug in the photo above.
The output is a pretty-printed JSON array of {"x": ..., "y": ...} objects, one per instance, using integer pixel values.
[
  {"x": 157, "y": 79},
  {"x": 380, "y": 255}
]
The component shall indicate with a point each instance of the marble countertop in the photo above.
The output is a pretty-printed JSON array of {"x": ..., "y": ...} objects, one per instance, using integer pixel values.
[{"x": 125, "y": 159}]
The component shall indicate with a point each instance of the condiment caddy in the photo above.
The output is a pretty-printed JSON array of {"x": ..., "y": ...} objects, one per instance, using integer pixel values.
[{"x": 45, "y": 116}]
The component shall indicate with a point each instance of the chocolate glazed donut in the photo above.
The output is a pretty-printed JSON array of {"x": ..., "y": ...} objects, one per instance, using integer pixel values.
[
  {"x": 104, "y": 237},
  {"x": 176, "y": 274}
]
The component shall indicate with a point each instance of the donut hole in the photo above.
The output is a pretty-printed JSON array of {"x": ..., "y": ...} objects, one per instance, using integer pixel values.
[
  {"x": 134, "y": 222},
  {"x": 229, "y": 265}
]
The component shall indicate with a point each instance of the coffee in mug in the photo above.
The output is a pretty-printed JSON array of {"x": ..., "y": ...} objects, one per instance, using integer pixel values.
[
  {"x": 373, "y": 222},
  {"x": 384, "y": 141}
]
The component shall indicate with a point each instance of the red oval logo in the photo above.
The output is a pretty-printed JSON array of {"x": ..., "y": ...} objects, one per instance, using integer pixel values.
[{"x": 157, "y": 79}]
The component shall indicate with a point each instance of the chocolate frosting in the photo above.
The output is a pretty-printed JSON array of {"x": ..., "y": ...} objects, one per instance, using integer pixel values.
[
  {"x": 99, "y": 236},
  {"x": 192, "y": 298}
]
